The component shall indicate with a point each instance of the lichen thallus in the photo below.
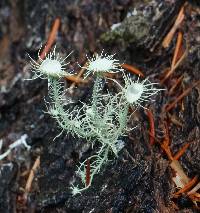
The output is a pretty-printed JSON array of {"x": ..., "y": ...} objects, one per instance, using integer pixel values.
[{"x": 101, "y": 121}]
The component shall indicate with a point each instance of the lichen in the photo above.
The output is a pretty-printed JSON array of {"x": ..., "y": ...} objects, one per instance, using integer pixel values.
[
  {"x": 133, "y": 29},
  {"x": 103, "y": 119}
]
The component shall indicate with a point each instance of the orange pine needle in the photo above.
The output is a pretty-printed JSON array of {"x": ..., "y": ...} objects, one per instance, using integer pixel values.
[
  {"x": 189, "y": 185},
  {"x": 132, "y": 69},
  {"x": 51, "y": 39},
  {"x": 87, "y": 178},
  {"x": 78, "y": 77},
  {"x": 152, "y": 126},
  {"x": 181, "y": 152},
  {"x": 167, "y": 150},
  {"x": 75, "y": 79},
  {"x": 174, "y": 120},
  {"x": 166, "y": 131},
  {"x": 178, "y": 81},
  {"x": 180, "y": 52},
  {"x": 167, "y": 40},
  {"x": 156, "y": 140},
  {"x": 166, "y": 70},
  {"x": 166, "y": 142},
  {"x": 177, "y": 48},
  {"x": 31, "y": 175},
  {"x": 195, "y": 189},
  {"x": 170, "y": 71},
  {"x": 195, "y": 197},
  {"x": 180, "y": 97}
]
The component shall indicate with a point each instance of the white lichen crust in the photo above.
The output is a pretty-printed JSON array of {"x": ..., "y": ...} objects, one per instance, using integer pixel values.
[{"x": 53, "y": 65}]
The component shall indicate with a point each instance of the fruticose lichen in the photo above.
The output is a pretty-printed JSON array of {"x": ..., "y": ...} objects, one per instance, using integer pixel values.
[{"x": 102, "y": 120}]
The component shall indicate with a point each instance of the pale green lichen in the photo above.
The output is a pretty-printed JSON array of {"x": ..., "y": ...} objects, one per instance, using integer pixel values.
[{"x": 103, "y": 120}]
